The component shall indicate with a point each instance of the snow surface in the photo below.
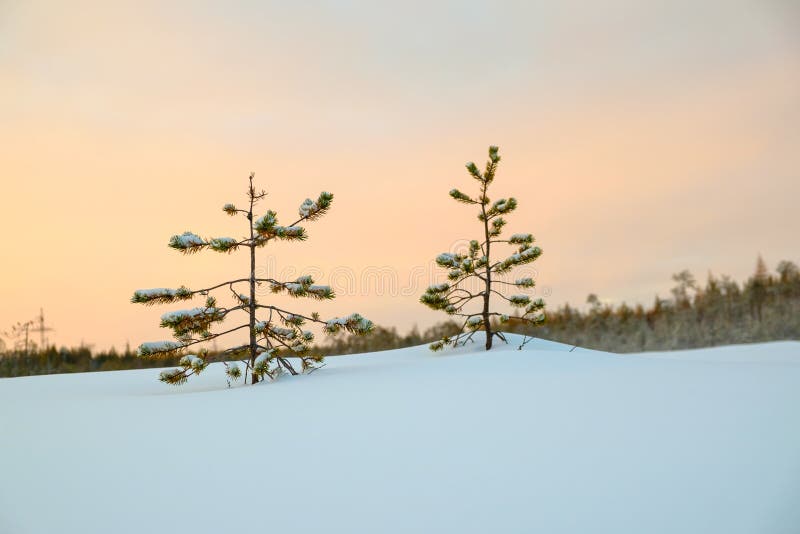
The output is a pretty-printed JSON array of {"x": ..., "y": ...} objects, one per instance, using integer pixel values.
[{"x": 539, "y": 440}]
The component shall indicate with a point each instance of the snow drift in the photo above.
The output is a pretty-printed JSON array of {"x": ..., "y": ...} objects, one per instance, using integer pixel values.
[{"x": 539, "y": 440}]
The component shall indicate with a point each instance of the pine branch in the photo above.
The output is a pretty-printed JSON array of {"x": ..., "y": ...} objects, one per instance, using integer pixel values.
[
  {"x": 303, "y": 287},
  {"x": 285, "y": 312},
  {"x": 180, "y": 346}
]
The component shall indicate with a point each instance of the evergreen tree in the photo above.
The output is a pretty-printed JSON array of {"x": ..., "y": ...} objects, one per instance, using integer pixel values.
[
  {"x": 20, "y": 333},
  {"x": 273, "y": 339},
  {"x": 788, "y": 271},
  {"x": 686, "y": 282},
  {"x": 758, "y": 288},
  {"x": 478, "y": 265}
]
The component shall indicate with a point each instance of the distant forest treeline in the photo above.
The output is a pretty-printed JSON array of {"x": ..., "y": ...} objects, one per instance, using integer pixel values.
[{"x": 766, "y": 307}]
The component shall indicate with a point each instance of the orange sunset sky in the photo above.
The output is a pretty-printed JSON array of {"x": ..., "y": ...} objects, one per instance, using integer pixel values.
[{"x": 640, "y": 138}]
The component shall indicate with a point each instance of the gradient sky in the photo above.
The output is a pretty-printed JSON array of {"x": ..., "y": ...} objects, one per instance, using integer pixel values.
[{"x": 640, "y": 138}]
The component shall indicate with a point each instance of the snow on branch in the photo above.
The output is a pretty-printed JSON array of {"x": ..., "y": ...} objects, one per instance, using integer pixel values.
[
  {"x": 520, "y": 258},
  {"x": 267, "y": 227},
  {"x": 233, "y": 371},
  {"x": 290, "y": 233},
  {"x": 435, "y": 298},
  {"x": 187, "y": 242},
  {"x": 223, "y": 244},
  {"x": 303, "y": 287},
  {"x": 460, "y": 264},
  {"x": 435, "y": 301},
  {"x": 536, "y": 320},
  {"x": 519, "y": 301},
  {"x": 502, "y": 206},
  {"x": 353, "y": 323},
  {"x": 160, "y": 295},
  {"x": 159, "y": 348},
  {"x": 286, "y": 334},
  {"x": 535, "y": 306},
  {"x": 494, "y": 154},
  {"x": 475, "y": 322},
  {"x": 193, "y": 361},
  {"x": 191, "y": 364},
  {"x": 521, "y": 239},
  {"x": 497, "y": 226},
  {"x": 438, "y": 288},
  {"x": 192, "y": 321},
  {"x": 261, "y": 365},
  {"x": 446, "y": 259},
  {"x": 491, "y": 165},
  {"x": 461, "y": 197},
  {"x": 293, "y": 320},
  {"x": 307, "y": 208},
  {"x": 311, "y": 210},
  {"x": 473, "y": 170},
  {"x": 176, "y": 377}
]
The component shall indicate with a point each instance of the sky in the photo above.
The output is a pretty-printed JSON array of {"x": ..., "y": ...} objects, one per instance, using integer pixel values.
[{"x": 640, "y": 138}]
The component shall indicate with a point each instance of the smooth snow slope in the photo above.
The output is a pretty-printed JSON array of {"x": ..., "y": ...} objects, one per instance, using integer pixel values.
[{"x": 540, "y": 440}]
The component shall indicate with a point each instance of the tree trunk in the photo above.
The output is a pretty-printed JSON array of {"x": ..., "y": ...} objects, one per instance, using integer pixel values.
[
  {"x": 487, "y": 327},
  {"x": 253, "y": 344}
]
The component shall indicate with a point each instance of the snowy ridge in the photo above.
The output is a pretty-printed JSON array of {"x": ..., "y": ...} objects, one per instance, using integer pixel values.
[{"x": 551, "y": 439}]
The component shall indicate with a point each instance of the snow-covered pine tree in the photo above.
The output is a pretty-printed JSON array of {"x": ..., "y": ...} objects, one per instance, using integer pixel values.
[
  {"x": 477, "y": 267},
  {"x": 275, "y": 334}
]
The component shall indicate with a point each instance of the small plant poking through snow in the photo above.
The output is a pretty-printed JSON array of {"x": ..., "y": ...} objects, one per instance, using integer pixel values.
[
  {"x": 453, "y": 296},
  {"x": 275, "y": 335}
]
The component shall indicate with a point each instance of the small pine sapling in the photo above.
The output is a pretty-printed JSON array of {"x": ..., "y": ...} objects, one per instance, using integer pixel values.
[
  {"x": 275, "y": 335},
  {"x": 478, "y": 267}
]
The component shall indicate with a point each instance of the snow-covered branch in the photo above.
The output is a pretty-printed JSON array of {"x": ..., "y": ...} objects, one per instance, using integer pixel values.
[
  {"x": 303, "y": 287},
  {"x": 353, "y": 323},
  {"x": 161, "y": 295}
]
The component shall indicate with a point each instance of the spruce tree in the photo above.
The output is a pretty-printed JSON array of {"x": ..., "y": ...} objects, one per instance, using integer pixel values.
[
  {"x": 275, "y": 335},
  {"x": 479, "y": 268}
]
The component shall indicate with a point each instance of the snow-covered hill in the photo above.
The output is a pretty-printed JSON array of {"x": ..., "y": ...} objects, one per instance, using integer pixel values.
[{"x": 539, "y": 440}]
